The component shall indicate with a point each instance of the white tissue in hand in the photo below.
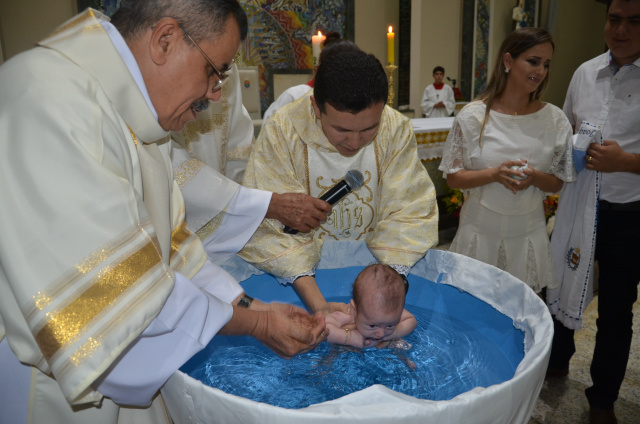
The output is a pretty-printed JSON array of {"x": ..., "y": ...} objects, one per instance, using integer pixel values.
[{"x": 519, "y": 168}]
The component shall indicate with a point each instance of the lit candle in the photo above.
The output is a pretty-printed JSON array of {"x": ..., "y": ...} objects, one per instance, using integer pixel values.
[
  {"x": 390, "y": 45},
  {"x": 316, "y": 47}
]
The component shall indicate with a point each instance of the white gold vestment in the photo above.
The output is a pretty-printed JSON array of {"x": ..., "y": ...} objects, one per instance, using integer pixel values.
[
  {"x": 95, "y": 248},
  {"x": 394, "y": 211},
  {"x": 209, "y": 157}
]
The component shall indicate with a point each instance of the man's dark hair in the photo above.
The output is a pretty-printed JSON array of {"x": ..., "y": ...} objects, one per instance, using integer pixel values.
[
  {"x": 203, "y": 19},
  {"x": 350, "y": 81},
  {"x": 337, "y": 46},
  {"x": 438, "y": 68},
  {"x": 611, "y": 1}
]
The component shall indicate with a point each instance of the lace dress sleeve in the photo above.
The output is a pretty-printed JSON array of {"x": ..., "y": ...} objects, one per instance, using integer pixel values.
[
  {"x": 454, "y": 151},
  {"x": 562, "y": 162}
]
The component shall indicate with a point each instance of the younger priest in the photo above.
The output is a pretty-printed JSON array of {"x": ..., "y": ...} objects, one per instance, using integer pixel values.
[{"x": 309, "y": 145}]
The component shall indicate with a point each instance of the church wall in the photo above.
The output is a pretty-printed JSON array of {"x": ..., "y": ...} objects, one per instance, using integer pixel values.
[
  {"x": 372, "y": 19},
  {"x": 435, "y": 41},
  {"x": 436, "y": 27},
  {"x": 435, "y": 38},
  {"x": 23, "y": 23},
  {"x": 578, "y": 36},
  {"x": 501, "y": 25}
]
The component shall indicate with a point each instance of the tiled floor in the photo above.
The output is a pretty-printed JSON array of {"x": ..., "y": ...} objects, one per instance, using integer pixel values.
[{"x": 563, "y": 401}]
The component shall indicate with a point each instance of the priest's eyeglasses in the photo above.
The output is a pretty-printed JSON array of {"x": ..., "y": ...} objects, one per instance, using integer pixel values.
[{"x": 222, "y": 76}]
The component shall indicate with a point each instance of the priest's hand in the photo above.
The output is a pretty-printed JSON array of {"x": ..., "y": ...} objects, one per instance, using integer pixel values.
[
  {"x": 307, "y": 289},
  {"x": 298, "y": 210},
  {"x": 290, "y": 330}
]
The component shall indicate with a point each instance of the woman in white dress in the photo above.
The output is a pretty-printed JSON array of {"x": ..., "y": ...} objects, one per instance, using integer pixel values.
[{"x": 506, "y": 150}]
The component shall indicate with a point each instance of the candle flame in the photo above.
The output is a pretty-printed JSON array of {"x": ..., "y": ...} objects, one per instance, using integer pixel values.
[
  {"x": 390, "y": 29},
  {"x": 319, "y": 34}
]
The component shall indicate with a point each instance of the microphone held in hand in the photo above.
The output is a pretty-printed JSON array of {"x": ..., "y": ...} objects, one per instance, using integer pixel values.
[{"x": 352, "y": 181}]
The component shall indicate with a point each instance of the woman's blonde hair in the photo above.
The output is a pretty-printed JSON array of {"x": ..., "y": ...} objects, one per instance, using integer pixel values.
[{"x": 515, "y": 44}]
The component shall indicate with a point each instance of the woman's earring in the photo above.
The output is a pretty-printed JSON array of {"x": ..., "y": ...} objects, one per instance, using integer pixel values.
[{"x": 506, "y": 70}]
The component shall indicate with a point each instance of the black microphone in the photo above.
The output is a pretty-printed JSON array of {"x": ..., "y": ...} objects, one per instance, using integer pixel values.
[{"x": 352, "y": 181}]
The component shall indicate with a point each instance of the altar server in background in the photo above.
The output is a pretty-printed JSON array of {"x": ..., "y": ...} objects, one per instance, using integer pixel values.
[{"x": 438, "y": 100}]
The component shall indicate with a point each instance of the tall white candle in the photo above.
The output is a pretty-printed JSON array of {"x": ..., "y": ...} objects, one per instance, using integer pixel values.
[{"x": 316, "y": 47}]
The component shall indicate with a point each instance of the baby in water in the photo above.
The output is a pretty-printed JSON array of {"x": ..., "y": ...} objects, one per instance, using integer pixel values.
[{"x": 376, "y": 313}]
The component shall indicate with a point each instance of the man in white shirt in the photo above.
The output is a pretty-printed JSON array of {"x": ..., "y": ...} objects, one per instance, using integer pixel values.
[
  {"x": 605, "y": 93},
  {"x": 104, "y": 291}
]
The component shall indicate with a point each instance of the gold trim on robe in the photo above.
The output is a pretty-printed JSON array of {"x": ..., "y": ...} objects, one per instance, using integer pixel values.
[{"x": 84, "y": 276}]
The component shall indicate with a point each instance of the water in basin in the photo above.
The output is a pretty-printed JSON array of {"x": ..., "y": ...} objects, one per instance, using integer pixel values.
[{"x": 460, "y": 343}]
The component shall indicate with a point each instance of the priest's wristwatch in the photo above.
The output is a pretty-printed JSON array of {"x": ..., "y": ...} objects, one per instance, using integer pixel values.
[{"x": 245, "y": 301}]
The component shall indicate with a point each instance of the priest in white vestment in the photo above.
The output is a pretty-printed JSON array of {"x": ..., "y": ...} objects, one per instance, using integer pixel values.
[
  {"x": 209, "y": 157},
  {"x": 105, "y": 292},
  {"x": 309, "y": 145},
  {"x": 289, "y": 95}
]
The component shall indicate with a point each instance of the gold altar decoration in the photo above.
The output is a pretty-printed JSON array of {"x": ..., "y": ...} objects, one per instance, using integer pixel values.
[{"x": 390, "y": 68}]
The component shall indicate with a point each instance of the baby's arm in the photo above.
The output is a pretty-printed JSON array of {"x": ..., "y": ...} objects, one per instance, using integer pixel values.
[
  {"x": 406, "y": 325},
  {"x": 342, "y": 330},
  {"x": 352, "y": 336},
  {"x": 333, "y": 324}
]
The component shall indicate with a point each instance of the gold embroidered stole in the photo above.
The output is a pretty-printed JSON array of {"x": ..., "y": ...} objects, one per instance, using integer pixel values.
[{"x": 355, "y": 214}]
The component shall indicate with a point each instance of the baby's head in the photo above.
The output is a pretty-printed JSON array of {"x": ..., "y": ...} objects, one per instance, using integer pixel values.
[{"x": 378, "y": 301}]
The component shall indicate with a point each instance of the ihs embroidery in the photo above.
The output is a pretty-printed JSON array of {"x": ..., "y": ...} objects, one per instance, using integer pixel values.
[{"x": 350, "y": 218}]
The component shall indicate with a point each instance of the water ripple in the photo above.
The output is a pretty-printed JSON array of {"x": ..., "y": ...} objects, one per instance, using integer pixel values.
[{"x": 448, "y": 357}]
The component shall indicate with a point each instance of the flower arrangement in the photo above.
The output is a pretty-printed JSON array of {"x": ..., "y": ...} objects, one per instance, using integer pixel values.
[
  {"x": 550, "y": 205},
  {"x": 453, "y": 201}
]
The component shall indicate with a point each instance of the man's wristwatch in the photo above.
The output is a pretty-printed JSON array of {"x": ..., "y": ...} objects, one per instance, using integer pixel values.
[{"x": 245, "y": 301}]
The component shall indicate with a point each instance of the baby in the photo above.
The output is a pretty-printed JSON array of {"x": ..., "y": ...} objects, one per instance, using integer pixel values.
[{"x": 376, "y": 312}]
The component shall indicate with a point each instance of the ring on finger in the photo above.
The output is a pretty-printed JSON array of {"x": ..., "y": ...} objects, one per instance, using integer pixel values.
[{"x": 589, "y": 158}]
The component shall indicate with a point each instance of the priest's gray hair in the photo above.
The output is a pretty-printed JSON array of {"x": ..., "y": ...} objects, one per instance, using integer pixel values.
[{"x": 204, "y": 19}]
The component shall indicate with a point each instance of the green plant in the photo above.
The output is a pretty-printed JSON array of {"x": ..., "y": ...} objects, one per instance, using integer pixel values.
[{"x": 453, "y": 201}]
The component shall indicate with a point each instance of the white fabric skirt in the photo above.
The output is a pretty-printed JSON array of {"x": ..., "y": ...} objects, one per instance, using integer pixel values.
[{"x": 518, "y": 244}]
